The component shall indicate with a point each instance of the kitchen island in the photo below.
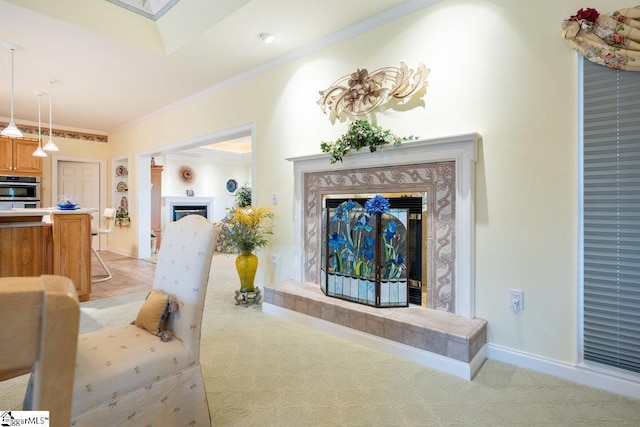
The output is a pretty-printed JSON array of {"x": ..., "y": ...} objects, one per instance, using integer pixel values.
[{"x": 47, "y": 241}]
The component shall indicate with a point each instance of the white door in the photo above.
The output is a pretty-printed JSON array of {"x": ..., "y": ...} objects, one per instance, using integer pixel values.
[{"x": 81, "y": 181}]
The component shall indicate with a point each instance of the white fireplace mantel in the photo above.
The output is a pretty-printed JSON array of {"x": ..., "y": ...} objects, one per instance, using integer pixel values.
[
  {"x": 461, "y": 149},
  {"x": 171, "y": 201}
]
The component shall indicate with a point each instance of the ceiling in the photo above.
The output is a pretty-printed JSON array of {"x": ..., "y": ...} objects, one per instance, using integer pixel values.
[
  {"x": 237, "y": 151},
  {"x": 114, "y": 66}
]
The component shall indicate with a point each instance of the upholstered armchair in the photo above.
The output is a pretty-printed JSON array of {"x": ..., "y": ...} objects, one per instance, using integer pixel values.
[{"x": 128, "y": 376}]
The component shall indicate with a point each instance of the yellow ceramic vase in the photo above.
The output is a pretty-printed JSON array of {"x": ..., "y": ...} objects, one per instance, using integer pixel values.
[{"x": 247, "y": 265}]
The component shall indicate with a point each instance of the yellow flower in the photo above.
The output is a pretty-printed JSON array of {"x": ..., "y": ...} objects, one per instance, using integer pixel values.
[{"x": 246, "y": 229}]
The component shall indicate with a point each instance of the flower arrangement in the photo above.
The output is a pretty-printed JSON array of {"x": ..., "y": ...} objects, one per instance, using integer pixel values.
[
  {"x": 353, "y": 240},
  {"x": 585, "y": 17},
  {"x": 122, "y": 214},
  {"x": 246, "y": 230},
  {"x": 361, "y": 134}
]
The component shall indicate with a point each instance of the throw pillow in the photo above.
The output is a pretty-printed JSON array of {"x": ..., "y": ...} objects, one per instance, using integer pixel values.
[
  {"x": 154, "y": 313},
  {"x": 222, "y": 243}
]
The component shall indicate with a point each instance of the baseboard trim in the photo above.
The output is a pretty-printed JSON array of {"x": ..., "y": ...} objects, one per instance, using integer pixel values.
[
  {"x": 614, "y": 382},
  {"x": 425, "y": 358},
  {"x": 119, "y": 252}
]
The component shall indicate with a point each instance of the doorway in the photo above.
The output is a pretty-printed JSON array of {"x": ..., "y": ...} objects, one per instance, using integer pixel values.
[
  {"x": 84, "y": 181},
  {"x": 143, "y": 175}
]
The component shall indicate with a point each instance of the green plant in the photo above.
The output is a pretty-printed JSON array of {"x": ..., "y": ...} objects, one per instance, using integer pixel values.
[
  {"x": 361, "y": 134},
  {"x": 243, "y": 196}
]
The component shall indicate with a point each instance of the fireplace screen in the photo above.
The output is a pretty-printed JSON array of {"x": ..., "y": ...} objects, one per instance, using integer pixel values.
[
  {"x": 364, "y": 253},
  {"x": 182, "y": 211}
]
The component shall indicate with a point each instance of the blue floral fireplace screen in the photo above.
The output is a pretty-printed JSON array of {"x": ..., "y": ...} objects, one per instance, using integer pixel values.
[{"x": 364, "y": 252}]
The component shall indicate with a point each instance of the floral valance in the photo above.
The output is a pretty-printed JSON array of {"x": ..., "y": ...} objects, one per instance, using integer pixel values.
[{"x": 612, "y": 40}]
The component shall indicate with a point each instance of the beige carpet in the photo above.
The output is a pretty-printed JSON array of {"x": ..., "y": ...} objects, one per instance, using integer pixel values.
[{"x": 264, "y": 371}]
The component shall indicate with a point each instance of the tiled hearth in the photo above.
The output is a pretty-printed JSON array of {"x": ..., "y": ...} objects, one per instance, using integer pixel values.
[{"x": 434, "y": 338}]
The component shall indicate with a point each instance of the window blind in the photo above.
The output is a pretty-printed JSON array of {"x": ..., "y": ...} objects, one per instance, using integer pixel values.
[{"x": 611, "y": 185}]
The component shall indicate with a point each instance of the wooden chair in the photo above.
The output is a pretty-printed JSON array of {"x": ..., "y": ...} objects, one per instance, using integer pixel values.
[{"x": 40, "y": 330}]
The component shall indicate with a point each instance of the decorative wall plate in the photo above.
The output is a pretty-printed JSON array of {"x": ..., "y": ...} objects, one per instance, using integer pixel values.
[
  {"x": 122, "y": 186},
  {"x": 232, "y": 185},
  {"x": 121, "y": 171}
]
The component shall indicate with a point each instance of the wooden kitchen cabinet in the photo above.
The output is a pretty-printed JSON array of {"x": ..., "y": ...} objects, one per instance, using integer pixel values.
[
  {"x": 31, "y": 247},
  {"x": 16, "y": 157},
  {"x": 25, "y": 251}
]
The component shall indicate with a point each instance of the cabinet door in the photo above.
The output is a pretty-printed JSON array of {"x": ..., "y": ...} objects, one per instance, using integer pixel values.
[
  {"x": 23, "y": 251},
  {"x": 72, "y": 250},
  {"x": 6, "y": 155},
  {"x": 23, "y": 160}
]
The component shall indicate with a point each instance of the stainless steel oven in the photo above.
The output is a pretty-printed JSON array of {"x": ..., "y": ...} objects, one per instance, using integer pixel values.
[{"x": 19, "y": 191}]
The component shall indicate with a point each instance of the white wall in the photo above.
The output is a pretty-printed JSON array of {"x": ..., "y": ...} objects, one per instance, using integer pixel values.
[{"x": 499, "y": 68}]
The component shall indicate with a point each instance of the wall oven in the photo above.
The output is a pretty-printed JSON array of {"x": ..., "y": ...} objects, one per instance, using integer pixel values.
[{"x": 19, "y": 192}]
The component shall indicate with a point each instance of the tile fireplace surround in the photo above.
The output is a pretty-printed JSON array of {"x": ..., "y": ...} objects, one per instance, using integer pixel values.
[{"x": 446, "y": 336}]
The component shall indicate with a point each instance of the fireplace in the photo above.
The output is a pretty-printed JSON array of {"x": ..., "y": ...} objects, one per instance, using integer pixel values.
[
  {"x": 445, "y": 335},
  {"x": 180, "y": 211},
  {"x": 440, "y": 168},
  {"x": 179, "y": 206}
]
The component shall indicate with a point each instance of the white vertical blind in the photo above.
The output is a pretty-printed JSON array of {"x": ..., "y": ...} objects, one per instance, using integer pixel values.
[{"x": 611, "y": 181}]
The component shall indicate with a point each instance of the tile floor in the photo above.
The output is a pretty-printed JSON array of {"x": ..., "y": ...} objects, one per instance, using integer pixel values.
[{"x": 129, "y": 275}]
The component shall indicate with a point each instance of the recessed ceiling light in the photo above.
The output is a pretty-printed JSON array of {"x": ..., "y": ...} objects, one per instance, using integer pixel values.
[{"x": 267, "y": 37}]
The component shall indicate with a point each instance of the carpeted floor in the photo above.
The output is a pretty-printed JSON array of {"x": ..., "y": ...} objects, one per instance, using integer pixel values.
[{"x": 264, "y": 371}]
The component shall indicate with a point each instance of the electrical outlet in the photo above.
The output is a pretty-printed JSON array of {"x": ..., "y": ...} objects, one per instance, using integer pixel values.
[
  {"x": 274, "y": 259},
  {"x": 516, "y": 299},
  {"x": 274, "y": 198}
]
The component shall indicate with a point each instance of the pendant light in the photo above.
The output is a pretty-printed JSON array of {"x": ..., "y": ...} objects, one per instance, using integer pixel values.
[
  {"x": 50, "y": 145},
  {"x": 39, "y": 151},
  {"x": 11, "y": 130}
]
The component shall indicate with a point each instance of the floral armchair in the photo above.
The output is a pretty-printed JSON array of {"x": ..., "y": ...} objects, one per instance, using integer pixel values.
[{"x": 127, "y": 376}]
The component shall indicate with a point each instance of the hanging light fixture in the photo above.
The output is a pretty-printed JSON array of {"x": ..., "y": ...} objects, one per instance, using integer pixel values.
[
  {"x": 39, "y": 151},
  {"x": 11, "y": 130},
  {"x": 50, "y": 145}
]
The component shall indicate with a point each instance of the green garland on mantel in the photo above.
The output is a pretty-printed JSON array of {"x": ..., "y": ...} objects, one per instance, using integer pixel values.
[{"x": 361, "y": 134}]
